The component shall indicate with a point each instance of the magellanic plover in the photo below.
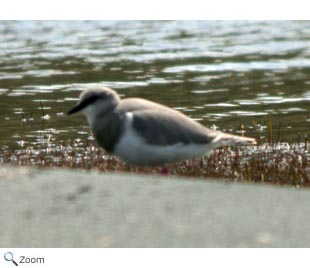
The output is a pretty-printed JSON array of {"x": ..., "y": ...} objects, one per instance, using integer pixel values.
[{"x": 146, "y": 133}]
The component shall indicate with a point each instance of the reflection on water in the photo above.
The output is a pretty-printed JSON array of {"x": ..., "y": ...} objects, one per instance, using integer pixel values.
[{"x": 224, "y": 74}]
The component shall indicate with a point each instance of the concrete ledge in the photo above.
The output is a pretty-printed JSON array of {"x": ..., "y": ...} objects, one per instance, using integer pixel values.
[{"x": 61, "y": 208}]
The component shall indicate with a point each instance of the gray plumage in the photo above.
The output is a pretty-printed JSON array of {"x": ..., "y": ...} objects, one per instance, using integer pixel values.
[
  {"x": 164, "y": 128},
  {"x": 142, "y": 132}
]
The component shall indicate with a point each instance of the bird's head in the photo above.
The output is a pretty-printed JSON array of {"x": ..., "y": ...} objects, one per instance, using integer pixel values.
[{"x": 94, "y": 101}]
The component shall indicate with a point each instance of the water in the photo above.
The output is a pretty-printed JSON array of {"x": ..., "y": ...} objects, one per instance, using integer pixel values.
[{"x": 236, "y": 76}]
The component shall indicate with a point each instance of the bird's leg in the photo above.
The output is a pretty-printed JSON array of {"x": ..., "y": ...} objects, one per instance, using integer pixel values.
[{"x": 164, "y": 171}]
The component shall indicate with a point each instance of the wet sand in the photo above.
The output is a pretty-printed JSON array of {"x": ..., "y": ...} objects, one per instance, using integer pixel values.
[{"x": 62, "y": 208}]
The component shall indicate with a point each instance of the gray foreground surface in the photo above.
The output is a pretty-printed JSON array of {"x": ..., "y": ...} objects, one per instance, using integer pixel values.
[{"x": 76, "y": 209}]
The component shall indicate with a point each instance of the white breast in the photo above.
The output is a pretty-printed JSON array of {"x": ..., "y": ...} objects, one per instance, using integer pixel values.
[{"x": 133, "y": 149}]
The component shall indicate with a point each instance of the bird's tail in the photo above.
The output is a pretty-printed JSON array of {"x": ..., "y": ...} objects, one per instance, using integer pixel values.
[{"x": 224, "y": 139}]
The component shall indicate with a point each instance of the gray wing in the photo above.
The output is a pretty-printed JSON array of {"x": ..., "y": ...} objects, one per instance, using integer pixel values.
[{"x": 159, "y": 127}]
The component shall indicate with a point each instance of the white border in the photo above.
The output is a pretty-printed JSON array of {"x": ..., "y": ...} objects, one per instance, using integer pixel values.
[
  {"x": 154, "y": 9},
  {"x": 154, "y": 258}
]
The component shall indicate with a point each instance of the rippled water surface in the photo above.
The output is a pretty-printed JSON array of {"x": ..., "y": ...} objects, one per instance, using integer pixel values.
[{"x": 248, "y": 77}]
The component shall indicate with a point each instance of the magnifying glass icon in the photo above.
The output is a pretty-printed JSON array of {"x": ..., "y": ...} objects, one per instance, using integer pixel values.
[{"x": 8, "y": 256}]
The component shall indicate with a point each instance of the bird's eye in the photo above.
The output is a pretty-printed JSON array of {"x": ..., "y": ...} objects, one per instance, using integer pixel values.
[{"x": 92, "y": 99}]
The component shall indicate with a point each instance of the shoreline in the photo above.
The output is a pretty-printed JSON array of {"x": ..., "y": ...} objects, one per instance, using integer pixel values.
[{"x": 65, "y": 208}]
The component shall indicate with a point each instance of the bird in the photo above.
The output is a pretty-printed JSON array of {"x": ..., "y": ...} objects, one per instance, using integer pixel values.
[{"x": 145, "y": 133}]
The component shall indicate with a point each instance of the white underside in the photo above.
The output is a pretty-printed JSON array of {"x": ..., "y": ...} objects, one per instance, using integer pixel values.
[{"x": 133, "y": 149}]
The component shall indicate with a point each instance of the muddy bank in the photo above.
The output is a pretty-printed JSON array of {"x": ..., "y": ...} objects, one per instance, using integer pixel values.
[{"x": 62, "y": 208}]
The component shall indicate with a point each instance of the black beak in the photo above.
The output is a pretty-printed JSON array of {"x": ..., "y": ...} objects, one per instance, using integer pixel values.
[
  {"x": 80, "y": 106},
  {"x": 75, "y": 109}
]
